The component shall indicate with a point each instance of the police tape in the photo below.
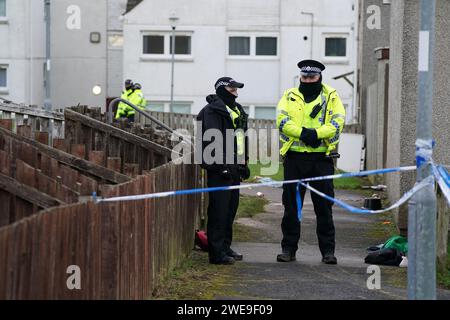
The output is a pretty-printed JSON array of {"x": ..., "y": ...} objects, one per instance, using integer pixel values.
[
  {"x": 424, "y": 183},
  {"x": 443, "y": 179},
  {"x": 248, "y": 186}
]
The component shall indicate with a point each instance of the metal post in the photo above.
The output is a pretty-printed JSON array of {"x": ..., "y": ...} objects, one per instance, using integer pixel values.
[
  {"x": 422, "y": 209},
  {"x": 312, "y": 31},
  {"x": 173, "y": 65},
  {"x": 47, "y": 65}
]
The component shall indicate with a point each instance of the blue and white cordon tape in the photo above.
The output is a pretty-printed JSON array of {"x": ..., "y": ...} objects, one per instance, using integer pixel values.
[
  {"x": 247, "y": 186},
  {"x": 439, "y": 173},
  {"x": 443, "y": 179}
]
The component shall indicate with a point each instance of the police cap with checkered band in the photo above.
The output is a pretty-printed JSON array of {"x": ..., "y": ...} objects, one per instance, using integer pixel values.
[
  {"x": 310, "y": 67},
  {"x": 228, "y": 82}
]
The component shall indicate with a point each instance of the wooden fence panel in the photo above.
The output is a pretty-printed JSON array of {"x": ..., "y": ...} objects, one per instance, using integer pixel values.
[{"x": 123, "y": 249}]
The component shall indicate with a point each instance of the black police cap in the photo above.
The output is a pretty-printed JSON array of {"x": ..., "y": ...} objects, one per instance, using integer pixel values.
[
  {"x": 228, "y": 82},
  {"x": 310, "y": 66}
]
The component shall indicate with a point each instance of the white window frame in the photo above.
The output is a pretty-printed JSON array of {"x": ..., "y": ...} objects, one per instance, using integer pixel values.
[
  {"x": 166, "y": 55},
  {"x": 5, "y": 90},
  {"x": 252, "y": 36},
  {"x": 336, "y": 60}
]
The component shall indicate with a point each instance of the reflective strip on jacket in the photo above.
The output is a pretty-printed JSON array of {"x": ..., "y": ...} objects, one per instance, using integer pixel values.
[
  {"x": 294, "y": 113},
  {"x": 240, "y": 136}
]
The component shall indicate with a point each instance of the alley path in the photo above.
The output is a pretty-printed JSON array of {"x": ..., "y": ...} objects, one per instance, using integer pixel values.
[{"x": 259, "y": 276}]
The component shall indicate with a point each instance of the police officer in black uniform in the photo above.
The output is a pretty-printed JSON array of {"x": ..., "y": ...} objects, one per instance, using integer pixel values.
[{"x": 223, "y": 113}]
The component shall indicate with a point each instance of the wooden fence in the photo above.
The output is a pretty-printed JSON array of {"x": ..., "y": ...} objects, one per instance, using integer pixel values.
[
  {"x": 133, "y": 154},
  {"x": 262, "y": 128},
  {"x": 34, "y": 176},
  {"x": 38, "y": 119},
  {"x": 122, "y": 249}
]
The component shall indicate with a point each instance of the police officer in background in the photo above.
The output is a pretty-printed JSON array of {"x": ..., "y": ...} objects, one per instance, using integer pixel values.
[
  {"x": 137, "y": 98},
  {"x": 223, "y": 113},
  {"x": 122, "y": 109},
  {"x": 310, "y": 119}
]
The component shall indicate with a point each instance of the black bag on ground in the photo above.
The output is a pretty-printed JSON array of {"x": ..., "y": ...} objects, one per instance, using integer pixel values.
[{"x": 387, "y": 257}]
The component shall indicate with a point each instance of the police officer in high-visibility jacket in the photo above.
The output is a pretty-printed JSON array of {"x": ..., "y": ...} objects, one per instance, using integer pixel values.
[
  {"x": 137, "y": 98},
  {"x": 122, "y": 108},
  {"x": 310, "y": 119}
]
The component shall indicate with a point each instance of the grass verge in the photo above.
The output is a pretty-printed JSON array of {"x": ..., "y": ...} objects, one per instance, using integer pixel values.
[
  {"x": 255, "y": 171},
  {"x": 196, "y": 279},
  {"x": 243, "y": 233},
  {"x": 250, "y": 205}
]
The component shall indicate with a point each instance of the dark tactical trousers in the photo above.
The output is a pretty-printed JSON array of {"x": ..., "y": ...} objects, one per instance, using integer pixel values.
[
  {"x": 306, "y": 165},
  {"x": 222, "y": 209}
]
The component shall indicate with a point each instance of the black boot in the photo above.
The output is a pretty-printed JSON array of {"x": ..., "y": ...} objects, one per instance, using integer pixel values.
[
  {"x": 223, "y": 260},
  {"x": 329, "y": 259},
  {"x": 236, "y": 256},
  {"x": 286, "y": 256}
]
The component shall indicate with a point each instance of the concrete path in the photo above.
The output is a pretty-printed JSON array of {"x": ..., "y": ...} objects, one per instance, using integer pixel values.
[{"x": 259, "y": 276}]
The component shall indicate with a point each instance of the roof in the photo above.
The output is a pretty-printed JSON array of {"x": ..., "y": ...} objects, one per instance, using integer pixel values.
[{"x": 131, "y": 4}]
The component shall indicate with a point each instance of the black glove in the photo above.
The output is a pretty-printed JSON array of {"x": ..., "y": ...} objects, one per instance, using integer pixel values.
[
  {"x": 226, "y": 173},
  {"x": 244, "y": 172},
  {"x": 309, "y": 137}
]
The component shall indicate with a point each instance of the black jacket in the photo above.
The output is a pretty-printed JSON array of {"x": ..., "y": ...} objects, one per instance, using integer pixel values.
[{"x": 216, "y": 116}]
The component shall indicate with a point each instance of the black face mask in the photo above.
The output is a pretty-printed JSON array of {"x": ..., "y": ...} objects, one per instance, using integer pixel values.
[
  {"x": 227, "y": 97},
  {"x": 311, "y": 90}
]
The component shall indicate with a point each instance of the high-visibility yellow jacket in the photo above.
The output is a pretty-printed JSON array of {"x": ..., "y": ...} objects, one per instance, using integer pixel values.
[
  {"x": 136, "y": 98},
  {"x": 122, "y": 108},
  {"x": 294, "y": 113}
]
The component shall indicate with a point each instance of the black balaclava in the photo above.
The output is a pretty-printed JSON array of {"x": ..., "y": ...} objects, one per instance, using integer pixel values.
[
  {"x": 311, "y": 90},
  {"x": 227, "y": 97}
]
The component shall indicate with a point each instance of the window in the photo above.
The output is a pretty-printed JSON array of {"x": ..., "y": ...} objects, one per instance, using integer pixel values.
[
  {"x": 181, "y": 108},
  {"x": 239, "y": 46},
  {"x": 265, "y": 113},
  {"x": 261, "y": 45},
  {"x": 182, "y": 45},
  {"x": 2, "y": 8},
  {"x": 3, "y": 77},
  {"x": 266, "y": 46},
  {"x": 335, "y": 47},
  {"x": 155, "y": 106},
  {"x": 161, "y": 44},
  {"x": 153, "y": 44}
]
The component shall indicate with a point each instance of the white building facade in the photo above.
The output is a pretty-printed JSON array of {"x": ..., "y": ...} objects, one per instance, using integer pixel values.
[
  {"x": 22, "y": 51},
  {"x": 255, "y": 42},
  {"x": 86, "y": 51}
]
